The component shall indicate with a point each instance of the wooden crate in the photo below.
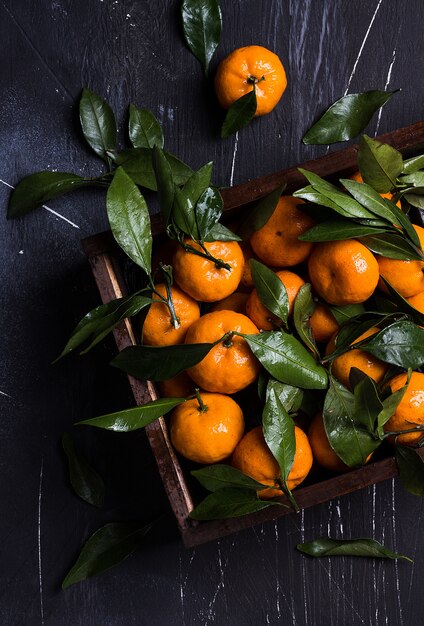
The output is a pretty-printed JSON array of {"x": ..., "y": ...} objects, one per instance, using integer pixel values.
[{"x": 106, "y": 262}]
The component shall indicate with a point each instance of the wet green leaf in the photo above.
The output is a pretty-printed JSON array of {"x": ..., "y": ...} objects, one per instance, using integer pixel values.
[
  {"x": 202, "y": 25},
  {"x": 401, "y": 343},
  {"x": 99, "y": 322},
  {"x": 129, "y": 219},
  {"x": 347, "y": 117},
  {"x": 183, "y": 213},
  {"x": 220, "y": 476},
  {"x": 98, "y": 124},
  {"x": 36, "y": 189},
  {"x": 367, "y": 405},
  {"x": 349, "y": 439},
  {"x": 144, "y": 129},
  {"x": 287, "y": 360},
  {"x": 271, "y": 291},
  {"x": 107, "y": 547},
  {"x": 219, "y": 232},
  {"x": 348, "y": 547},
  {"x": 86, "y": 482},
  {"x": 304, "y": 306},
  {"x": 160, "y": 363},
  {"x": 379, "y": 164},
  {"x": 240, "y": 113},
  {"x": 208, "y": 211},
  {"x": 135, "y": 418},
  {"x": 290, "y": 397},
  {"x": 138, "y": 163},
  {"x": 411, "y": 470},
  {"x": 278, "y": 429},
  {"x": 230, "y": 502}
]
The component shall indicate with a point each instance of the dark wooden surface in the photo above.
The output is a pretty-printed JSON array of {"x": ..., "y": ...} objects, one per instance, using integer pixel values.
[{"x": 127, "y": 50}]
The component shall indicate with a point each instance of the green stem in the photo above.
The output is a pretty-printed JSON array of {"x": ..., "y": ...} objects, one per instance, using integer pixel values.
[
  {"x": 206, "y": 255},
  {"x": 168, "y": 301},
  {"x": 395, "y": 433},
  {"x": 283, "y": 486},
  {"x": 202, "y": 406}
]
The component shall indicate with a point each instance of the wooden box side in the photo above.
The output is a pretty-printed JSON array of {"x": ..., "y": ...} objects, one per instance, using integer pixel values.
[{"x": 103, "y": 254}]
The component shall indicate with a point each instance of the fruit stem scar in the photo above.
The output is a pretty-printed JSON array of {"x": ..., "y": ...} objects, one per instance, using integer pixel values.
[
  {"x": 202, "y": 406},
  {"x": 252, "y": 80}
]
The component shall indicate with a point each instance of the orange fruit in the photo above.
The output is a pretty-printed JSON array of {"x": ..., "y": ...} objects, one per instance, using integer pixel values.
[
  {"x": 207, "y": 433},
  {"x": 417, "y": 301},
  {"x": 323, "y": 453},
  {"x": 235, "y": 302},
  {"x": 410, "y": 410},
  {"x": 277, "y": 242},
  {"x": 357, "y": 176},
  {"x": 358, "y": 358},
  {"x": 253, "y": 457},
  {"x": 264, "y": 319},
  {"x": 246, "y": 282},
  {"x": 343, "y": 272},
  {"x": 180, "y": 386},
  {"x": 247, "y": 67},
  {"x": 158, "y": 329},
  {"x": 230, "y": 365},
  {"x": 407, "y": 277},
  {"x": 323, "y": 323},
  {"x": 201, "y": 278}
]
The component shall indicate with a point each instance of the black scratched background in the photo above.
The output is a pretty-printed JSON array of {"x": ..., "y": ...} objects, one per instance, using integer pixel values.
[{"x": 133, "y": 51}]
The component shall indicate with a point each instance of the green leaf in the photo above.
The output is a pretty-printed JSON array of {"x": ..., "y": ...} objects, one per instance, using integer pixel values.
[
  {"x": 86, "y": 482},
  {"x": 367, "y": 404},
  {"x": 98, "y": 124},
  {"x": 271, "y": 291},
  {"x": 348, "y": 547},
  {"x": 240, "y": 113},
  {"x": 390, "y": 405},
  {"x": 138, "y": 163},
  {"x": 261, "y": 212},
  {"x": 393, "y": 246},
  {"x": 160, "y": 363},
  {"x": 413, "y": 165},
  {"x": 401, "y": 343},
  {"x": 219, "y": 232},
  {"x": 183, "y": 212},
  {"x": 347, "y": 117},
  {"x": 202, "y": 25},
  {"x": 107, "y": 547},
  {"x": 290, "y": 397},
  {"x": 415, "y": 199},
  {"x": 135, "y": 418},
  {"x": 230, "y": 502},
  {"x": 144, "y": 129},
  {"x": 339, "y": 229},
  {"x": 164, "y": 183},
  {"x": 129, "y": 219},
  {"x": 36, "y": 189},
  {"x": 208, "y": 211},
  {"x": 379, "y": 164},
  {"x": 304, "y": 306},
  {"x": 371, "y": 199},
  {"x": 411, "y": 470},
  {"x": 284, "y": 357},
  {"x": 336, "y": 199},
  {"x": 345, "y": 313},
  {"x": 99, "y": 322},
  {"x": 278, "y": 428},
  {"x": 416, "y": 179},
  {"x": 220, "y": 476},
  {"x": 348, "y": 438}
]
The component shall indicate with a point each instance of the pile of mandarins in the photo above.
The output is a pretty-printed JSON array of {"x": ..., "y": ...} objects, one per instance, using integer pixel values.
[{"x": 210, "y": 427}]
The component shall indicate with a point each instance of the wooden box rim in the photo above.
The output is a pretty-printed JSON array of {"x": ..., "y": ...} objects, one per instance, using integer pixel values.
[{"x": 103, "y": 255}]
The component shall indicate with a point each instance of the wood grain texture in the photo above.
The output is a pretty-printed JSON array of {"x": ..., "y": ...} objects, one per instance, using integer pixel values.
[{"x": 132, "y": 50}]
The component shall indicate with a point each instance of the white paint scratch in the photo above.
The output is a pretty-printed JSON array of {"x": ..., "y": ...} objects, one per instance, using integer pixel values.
[
  {"x": 352, "y": 74},
  {"x": 341, "y": 591},
  {"x": 3, "y": 393},
  {"x": 388, "y": 79},
  {"x": 395, "y": 550},
  {"x": 40, "y": 576},
  {"x": 220, "y": 586},
  {"x": 234, "y": 159},
  {"x": 62, "y": 217}
]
